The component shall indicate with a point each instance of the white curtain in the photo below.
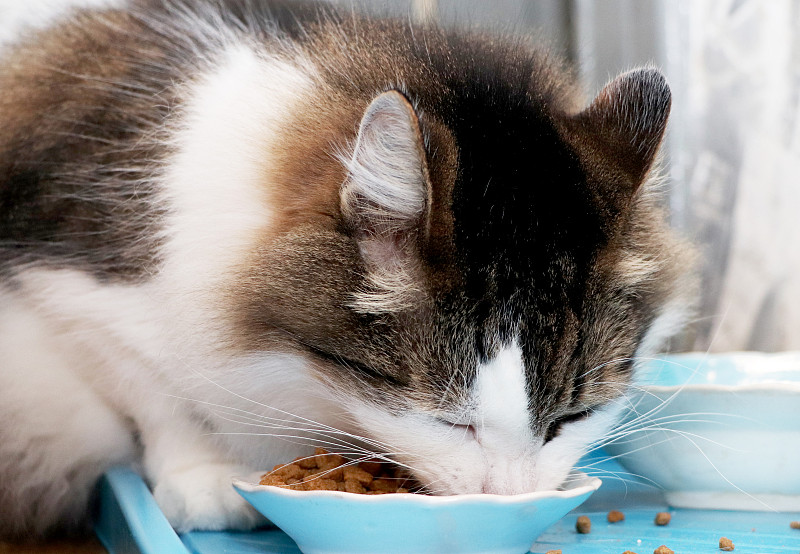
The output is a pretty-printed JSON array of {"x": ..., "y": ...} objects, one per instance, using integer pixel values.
[
  {"x": 736, "y": 166},
  {"x": 733, "y": 149}
]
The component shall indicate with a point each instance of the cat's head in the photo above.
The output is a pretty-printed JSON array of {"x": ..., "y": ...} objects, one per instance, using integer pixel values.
[{"x": 474, "y": 287}]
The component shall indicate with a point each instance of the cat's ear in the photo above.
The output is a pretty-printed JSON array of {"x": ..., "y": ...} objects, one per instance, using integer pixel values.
[
  {"x": 626, "y": 123},
  {"x": 386, "y": 202},
  {"x": 387, "y": 194}
]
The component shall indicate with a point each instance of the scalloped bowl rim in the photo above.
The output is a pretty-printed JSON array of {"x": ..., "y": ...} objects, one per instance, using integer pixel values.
[
  {"x": 585, "y": 484},
  {"x": 741, "y": 371},
  {"x": 773, "y": 386}
]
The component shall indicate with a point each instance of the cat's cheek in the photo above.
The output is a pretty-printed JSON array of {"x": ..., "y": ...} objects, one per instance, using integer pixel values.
[{"x": 558, "y": 456}]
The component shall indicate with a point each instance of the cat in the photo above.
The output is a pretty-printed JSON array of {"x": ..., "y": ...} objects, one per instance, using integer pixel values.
[{"x": 234, "y": 230}]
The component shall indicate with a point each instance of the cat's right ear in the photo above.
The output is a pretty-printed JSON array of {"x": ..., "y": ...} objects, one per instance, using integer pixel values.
[
  {"x": 386, "y": 196},
  {"x": 624, "y": 127}
]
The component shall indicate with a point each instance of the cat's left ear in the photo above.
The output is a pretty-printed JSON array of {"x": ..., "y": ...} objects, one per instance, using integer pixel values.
[
  {"x": 387, "y": 194},
  {"x": 625, "y": 124}
]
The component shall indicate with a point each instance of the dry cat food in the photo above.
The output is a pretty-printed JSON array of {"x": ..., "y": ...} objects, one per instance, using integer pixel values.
[
  {"x": 553, "y": 552},
  {"x": 725, "y": 544},
  {"x": 331, "y": 472},
  {"x": 583, "y": 525},
  {"x": 615, "y": 516},
  {"x": 795, "y": 525},
  {"x": 663, "y": 518},
  {"x": 663, "y": 550}
]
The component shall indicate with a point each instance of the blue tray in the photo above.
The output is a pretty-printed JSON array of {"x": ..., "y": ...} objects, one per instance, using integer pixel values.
[{"x": 130, "y": 522}]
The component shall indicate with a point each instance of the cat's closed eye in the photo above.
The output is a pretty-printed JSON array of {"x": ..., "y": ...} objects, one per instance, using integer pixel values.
[
  {"x": 556, "y": 425},
  {"x": 466, "y": 430}
]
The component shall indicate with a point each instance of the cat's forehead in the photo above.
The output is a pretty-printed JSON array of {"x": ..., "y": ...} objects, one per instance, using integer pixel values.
[{"x": 520, "y": 210}]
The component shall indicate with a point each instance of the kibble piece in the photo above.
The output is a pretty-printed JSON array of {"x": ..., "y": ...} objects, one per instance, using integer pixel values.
[
  {"x": 629, "y": 552},
  {"x": 663, "y": 550},
  {"x": 615, "y": 515},
  {"x": 326, "y": 460},
  {"x": 383, "y": 485},
  {"x": 663, "y": 518},
  {"x": 795, "y": 525},
  {"x": 306, "y": 462},
  {"x": 583, "y": 525},
  {"x": 357, "y": 474},
  {"x": 553, "y": 552},
  {"x": 274, "y": 480},
  {"x": 351, "y": 485},
  {"x": 320, "y": 484},
  {"x": 371, "y": 467},
  {"x": 335, "y": 473},
  {"x": 289, "y": 471},
  {"x": 725, "y": 544}
]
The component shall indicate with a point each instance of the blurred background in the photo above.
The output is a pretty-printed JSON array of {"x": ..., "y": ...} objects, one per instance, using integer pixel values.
[{"x": 732, "y": 154}]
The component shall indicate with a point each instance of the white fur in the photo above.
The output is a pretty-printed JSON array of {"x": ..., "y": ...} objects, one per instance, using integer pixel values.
[
  {"x": 559, "y": 456},
  {"x": 502, "y": 392},
  {"x": 48, "y": 410},
  {"x": 219, "y": 178},
  {"x": 503, "y": 424}
]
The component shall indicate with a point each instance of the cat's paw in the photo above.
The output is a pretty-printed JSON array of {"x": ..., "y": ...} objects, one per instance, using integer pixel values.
[{"x": 202, "y": 497}]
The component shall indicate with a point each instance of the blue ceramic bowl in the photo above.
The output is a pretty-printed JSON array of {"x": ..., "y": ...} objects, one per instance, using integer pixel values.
[
  {"x": 717, "y": 431},
  {"x": 339, "y": 522}
]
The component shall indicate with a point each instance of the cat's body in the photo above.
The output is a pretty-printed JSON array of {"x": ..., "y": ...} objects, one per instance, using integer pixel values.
[{"x": 225, "y": 221}]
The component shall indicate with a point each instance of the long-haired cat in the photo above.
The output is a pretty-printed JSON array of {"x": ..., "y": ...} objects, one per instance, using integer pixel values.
[{"x": 232, "y": 230}]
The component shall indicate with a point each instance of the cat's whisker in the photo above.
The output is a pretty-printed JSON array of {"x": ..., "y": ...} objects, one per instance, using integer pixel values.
[
  {"x": 619, "y": 476},
  {"x": 331, "y": 440},
  {"x": 289, "y": 414},
  {"x": 319, "y": 429},
  {"x": 615, "y": 438}
]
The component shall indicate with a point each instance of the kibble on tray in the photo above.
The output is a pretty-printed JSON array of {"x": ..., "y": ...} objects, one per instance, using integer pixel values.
[
  {"x": 332, "y": 472},
  {"x": 583, "y": 525},
  {"x": 663, "y": 518},
  {"x": 615, "y": 516}
]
